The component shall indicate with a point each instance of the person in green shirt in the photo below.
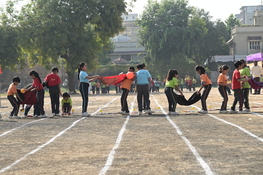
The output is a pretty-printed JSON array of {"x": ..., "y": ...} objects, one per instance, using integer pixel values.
[
  {"x": 245, "y": 85},
  {"x": 170, "y": 85},
  {"x": 66, "y": 104},
  {"x": 93, "y": 86}
]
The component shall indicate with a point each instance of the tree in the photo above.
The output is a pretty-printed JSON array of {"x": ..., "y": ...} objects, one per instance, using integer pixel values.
[
  {"x": 73, "y": 30},
  {"x": 164, "y": 32},
  {"x": 231, "y": 21},
  {"x": 103, "y": 56}
]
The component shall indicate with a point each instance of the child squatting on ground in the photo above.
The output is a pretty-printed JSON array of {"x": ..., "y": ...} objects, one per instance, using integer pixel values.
[
  {"x": 170, "y": 85},
  {"x": 10, "y": 96},
  {"x": 66, "y": 103},
  {"x": 206, "y": 84}
]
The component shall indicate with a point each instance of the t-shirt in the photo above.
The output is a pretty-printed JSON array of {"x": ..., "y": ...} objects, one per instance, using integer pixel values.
[
  {"x": 12, "y": 89},
  {"x": 156, "y": 83},
  {"x": 256, "y": 71},
  {"x": 93, "y": 83},
  {"x": 142, "y": 77},
  {"x": 82, "y": 77},
  {"x": 204, "y": 78},
  {"x": 52, "y": 79},
  {"x": 36, "y": 84},
  {"x": 222, "y": 78},
  {"x": 126, "y": 84},
  {"x": 66, "y": 101},
  {"x": 245, "y": 72},
  {"x": 236, "y": 84},
  {"x": 172, "y": 83}
]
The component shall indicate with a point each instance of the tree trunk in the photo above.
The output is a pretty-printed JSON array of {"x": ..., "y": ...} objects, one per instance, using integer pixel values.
[{"x": 71, "y": 84}]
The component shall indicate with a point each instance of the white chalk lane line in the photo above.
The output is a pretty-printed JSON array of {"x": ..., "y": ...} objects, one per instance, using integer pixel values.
[
  {"x": 19, "y": 127},
  {"x": 53, "y": 139},
  {"x": 232, "y": 124},
  {"x": 201, "y": 161}
]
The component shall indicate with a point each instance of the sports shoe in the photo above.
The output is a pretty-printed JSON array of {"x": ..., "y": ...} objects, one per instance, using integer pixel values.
[
  {"x": 242, "y": 112},
  {"x": 140, "y": 113},
  {"x": 16, "y": 117},
  {"x": 126, "y": 113},
  {"x": 173, "y": 113},
  {"x": 148, "y": 111},
  {"x": 121, "y": 112},
  {"x": 202, "y": 112},
  {"x": 233, "y": 112},
  {"x": 53, "y": 114},
  {"x": 42, "y": 116},
  {"x": 223, "y": 112},
  {"x": 85, "y": 114},
  {"x": 35, "y": 116},
  {"x": 248, "y": 110},
  {"x": 23, "y": 116}
]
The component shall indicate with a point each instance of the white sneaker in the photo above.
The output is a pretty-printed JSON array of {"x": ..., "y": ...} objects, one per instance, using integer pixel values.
[
  {"x": 85, "y": 114},
  {"x": 248, "y": 110},
  {"x": 140, "y": 113},
  {"x": 202, "y": 112},
  {"x": 121, "y": 112},
  {"x": 232, "y": 112},
  {"x": 16, "y": 117},
  {"x": 23, "y": 116},
  {"x": 223, "y": 112},
  {"x": 148, "y": 111},
  {"x": 173, "y": 113},
  {"x": 35, "y": 116},
  {"x": 42, "y": 116},
  {"x": 242, "y": 112}
]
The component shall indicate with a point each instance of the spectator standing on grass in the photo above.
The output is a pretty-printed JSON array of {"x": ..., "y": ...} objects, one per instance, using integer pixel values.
[
  {"x": 236, "y": 86},
  {"x": 40, "y": 93},
  {"x": 194, "y": 83},
  {"x": 97, "y": 87},
  {"x": 256, "y": 72},
  {"x": 245, "y": 72},
  {"x": 206, "y": 84},
  {"x": 53, "y": 82},
  {"x": 143, "y": 78},
  {"x": 222, "y": 82},
  {"x": 12, "y": 90},
  {"x": 125, "y": 88},
  {"x": 157, "y": 85},
  {"x": 84, "y": 78}
]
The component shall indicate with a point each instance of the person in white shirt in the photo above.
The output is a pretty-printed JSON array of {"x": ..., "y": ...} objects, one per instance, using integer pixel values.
[{"x": 256, "y": 72}]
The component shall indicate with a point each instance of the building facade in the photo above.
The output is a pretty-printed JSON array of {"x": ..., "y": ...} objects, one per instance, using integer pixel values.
[
  {"x": 246, "y": 16},
  {"x": 126, "y": 43},
  {"x": 246, "y": 40}
]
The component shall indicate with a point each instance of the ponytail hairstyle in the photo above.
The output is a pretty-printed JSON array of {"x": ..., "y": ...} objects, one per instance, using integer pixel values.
[
  {"x": 35, "y": 74},
  {"x": 222, "y": 68},
  {"x": 171, "y": 74},
  {"x": 81, "y": 65},
  {"x": 201, "y": 68}
]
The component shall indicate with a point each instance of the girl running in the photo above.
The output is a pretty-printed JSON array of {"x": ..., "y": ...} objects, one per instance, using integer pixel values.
[
  {"x": 170, "y": 85},
  {"x": 83, "y": 78},
  {"x": 222, "y": 82},
  {"x": 206, "y": 84}
]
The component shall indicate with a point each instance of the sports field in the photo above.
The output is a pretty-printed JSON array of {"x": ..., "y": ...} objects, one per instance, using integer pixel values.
[{"x": 158, "y": 144}]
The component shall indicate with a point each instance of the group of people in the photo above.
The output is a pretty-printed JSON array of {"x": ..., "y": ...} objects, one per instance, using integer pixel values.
[
  {"x": 143, "y": 80},
  {"x": 52, "y": 81}
]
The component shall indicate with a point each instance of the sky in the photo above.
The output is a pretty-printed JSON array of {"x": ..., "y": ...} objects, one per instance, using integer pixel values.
[{"x": 219, "y": 9}]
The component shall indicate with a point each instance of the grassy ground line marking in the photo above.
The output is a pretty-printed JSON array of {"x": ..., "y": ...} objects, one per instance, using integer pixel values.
[
  {"x": 232, "y": 124},
  {"x": 54, "y": 138},
  {"x": 117, "y": 144},
  {"x": 201, "y": 161}
]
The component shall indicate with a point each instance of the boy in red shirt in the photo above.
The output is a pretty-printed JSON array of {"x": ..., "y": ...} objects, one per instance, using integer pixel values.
[{"x": 236, "y": 86}]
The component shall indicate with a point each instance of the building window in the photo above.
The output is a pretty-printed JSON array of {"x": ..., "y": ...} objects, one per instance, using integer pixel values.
[{"x": 254, "y": 45}]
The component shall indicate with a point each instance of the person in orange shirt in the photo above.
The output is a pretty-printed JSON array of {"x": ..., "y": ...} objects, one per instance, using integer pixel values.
[
  {"x": 125, "y": 87},
  {"x": 206, "y": 84},
  {"x": 10, "y": 96},
  {"x": 222, "y": 82}
]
